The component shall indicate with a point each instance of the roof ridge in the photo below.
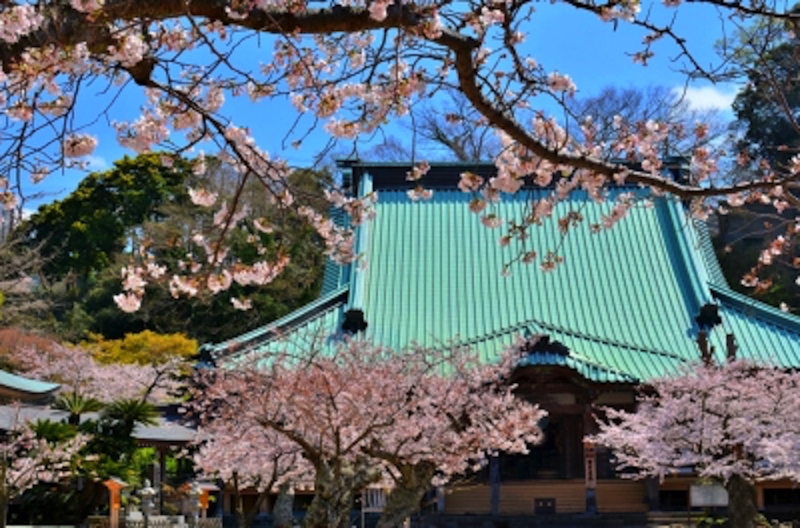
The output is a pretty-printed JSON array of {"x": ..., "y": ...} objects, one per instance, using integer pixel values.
[
  {"x": 687, "y": 261},
  {"x": 594, "y": 364},
  {"x": 706, "y": 245},
  {"x": 266, "y": 332},
  {"x": 765, "y": 311},
  {"x": 572, "y": 333}
]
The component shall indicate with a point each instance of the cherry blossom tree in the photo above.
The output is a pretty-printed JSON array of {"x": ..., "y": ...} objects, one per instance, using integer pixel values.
[
  {"x": 26, "y": 460},
  {"x": 734, "y": 423},
  {"x": 80, "y": 374},
  {"x": 245, "y": 455},
  {"x": 361, "y": 414},
  {"x": 348, "y": 67}
]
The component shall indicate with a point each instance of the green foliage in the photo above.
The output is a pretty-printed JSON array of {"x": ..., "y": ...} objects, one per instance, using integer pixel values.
[
  {"x": 76, "y": 405},
  {"x": 84, "y": 274},
  {"x": 142, "y": 348},
  {"x": 711, "y": 520},
  {"x": 125, "y": 414},
  {"x": 83, "y": 233},
  {"x": 209, "y": 319},
  {"x": 113, "y": 445},
  {"x": 771, "y": 96},
  {"x": 741, "y": 239},
  {"x": 53, "y": 432}
]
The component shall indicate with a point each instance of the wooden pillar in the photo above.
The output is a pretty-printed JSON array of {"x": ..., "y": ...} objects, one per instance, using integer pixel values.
[
  {"x": 653, "y": 498},
  {"x": 227, "y": 503},
  {"x": 494, "y": 483},
  {"x": 590, "y": 472},
  {"x": 440, "y": 505},
  {"x": 568, "y": 426}
]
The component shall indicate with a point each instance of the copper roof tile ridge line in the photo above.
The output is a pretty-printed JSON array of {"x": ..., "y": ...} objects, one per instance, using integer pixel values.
[
  {"x": 438, "y": 189},
  {"x": 707, "y": 252},
  {"x": 572, "y": 333},
  {"x": 588, "y": 364},
  {"x": 357, "y": 276},
  {"x": 690, "y": 264},
  {"x": 605, "y": 368},
  {"x": 755, "y": 308},
  {"x": 266, "y": 333},
  {"x": 593, "y": 364}
]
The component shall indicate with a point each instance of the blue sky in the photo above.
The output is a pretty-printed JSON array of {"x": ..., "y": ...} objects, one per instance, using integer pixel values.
[{"x": 593, "y": 53}]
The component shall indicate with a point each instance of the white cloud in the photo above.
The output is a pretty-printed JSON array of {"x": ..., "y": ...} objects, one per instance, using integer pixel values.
[
  {"x": 708, "y": 97},
  {"x": 96, "y": 163}
]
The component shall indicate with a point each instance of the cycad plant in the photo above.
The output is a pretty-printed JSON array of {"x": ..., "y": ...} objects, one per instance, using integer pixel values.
[{"x": 76, "y": 405}]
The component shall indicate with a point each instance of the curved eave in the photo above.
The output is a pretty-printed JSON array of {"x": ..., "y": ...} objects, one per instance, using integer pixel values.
[
  {"x": 586, "y": 369},
  {"x": 26, "y": 386},
  {"x": 164, "y": 433},
  {"x": 279, "y": 329},
  {"x": 762, "y": 333}
]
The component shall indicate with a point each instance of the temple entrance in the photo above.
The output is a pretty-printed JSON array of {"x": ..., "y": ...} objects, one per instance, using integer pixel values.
[{"x": 559, "y": 456}]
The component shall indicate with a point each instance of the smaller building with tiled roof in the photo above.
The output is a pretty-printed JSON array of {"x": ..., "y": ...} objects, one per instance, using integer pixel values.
[{"x": 20, "y": 388}]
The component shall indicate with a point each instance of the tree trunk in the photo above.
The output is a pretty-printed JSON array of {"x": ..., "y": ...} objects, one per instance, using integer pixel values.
[
  {"x": 4, "y": 494},
  {"x": 332, "y": 502},
  {"x": 245, "y": 519},
  {"x": 3, "y": 510},
  {"x": 283, "y": 511},
  {"x": 405, "y": 498},
  {"x": 742, "y": 510},
  {"x": 334, "y": 490},
  {"x": 238, "y": 505}
]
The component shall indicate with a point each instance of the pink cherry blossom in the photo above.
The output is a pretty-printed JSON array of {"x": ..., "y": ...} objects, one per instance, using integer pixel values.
[
  {"x": 78, "y": 145},
  {"x": 420, "y": 193},
  {"x": 470, "y": 182},
  {"x": 128, "y": 302},
  {"x": 241, "y": 304},
  {"x": 377, "y": 9},
  {"x": 351, "y": 70},
  {"x": 491, "y": 220},
  {"x": 202, "y": 197},
  {"x": 732, "y": 423},
  {"x": 561, "y": 83},
  {"x": 299, "y": 414},
  {"x": 77, "y": 371},
  {"x": 28, "y": 460},
  {"x": 86, "y": 6}
]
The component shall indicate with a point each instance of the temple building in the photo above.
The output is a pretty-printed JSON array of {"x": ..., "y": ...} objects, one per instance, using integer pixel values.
[
  {"x": 15, "y": 388},
  {"x": 625, "y": 305}
]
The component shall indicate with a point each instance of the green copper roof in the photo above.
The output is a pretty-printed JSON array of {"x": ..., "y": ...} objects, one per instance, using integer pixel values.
[
  {"x": 435, "y": 273},
  {"x": 762, "y": 332},
  {"x": 624, "y": 300},
  {"x": 715, "y": 275},
  {"x": 309, "y": 326},
  {"x": 26, "y": 385}
]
